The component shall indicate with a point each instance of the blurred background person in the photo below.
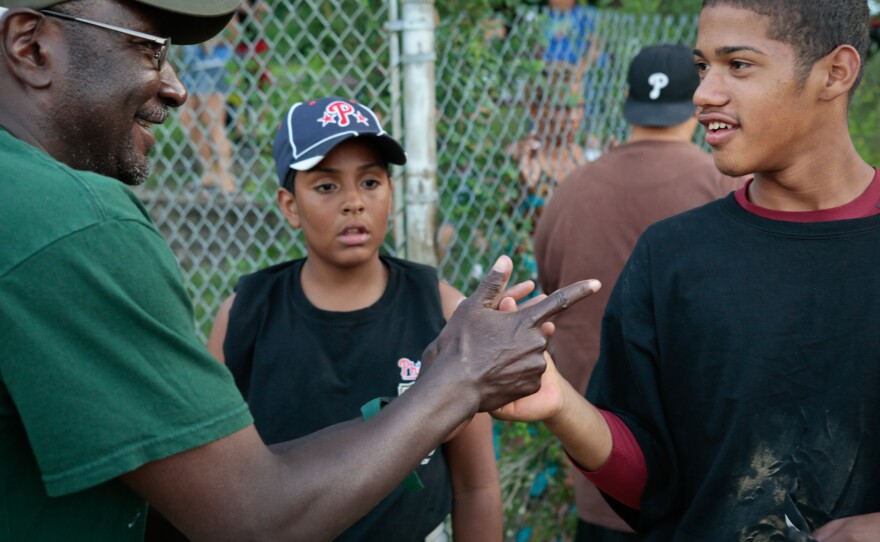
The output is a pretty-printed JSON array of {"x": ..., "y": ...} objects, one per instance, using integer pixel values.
[{"x": 204, "y": 71}]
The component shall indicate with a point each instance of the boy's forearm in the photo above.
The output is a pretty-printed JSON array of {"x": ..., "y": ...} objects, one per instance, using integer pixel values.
[
  {"x": 476, "y": 499},
  {"x": 582, "y": 430},
  {"x": 477, "y": 516}
]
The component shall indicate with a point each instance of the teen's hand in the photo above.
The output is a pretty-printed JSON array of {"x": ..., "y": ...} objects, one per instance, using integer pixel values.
[
  {"x": 544, "y": 403},
  {"x": 864, "y": 528},
  {"x": 495, "y": 357},
  {"x": 511, "y": 297}
]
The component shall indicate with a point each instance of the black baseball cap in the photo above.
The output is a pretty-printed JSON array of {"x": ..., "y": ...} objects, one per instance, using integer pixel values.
[
  {"x": 189, "y": 21},
  {"x": 662, "y": 80},
  {"x": 310, "y": 130}
]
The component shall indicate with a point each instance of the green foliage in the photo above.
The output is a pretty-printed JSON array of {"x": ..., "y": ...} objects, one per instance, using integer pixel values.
[
  {"x": 480, "y": 190},
  {"x": 865, "y": 113},
  {"x": 666, "y": 7},
  {"x": 538, "y": 500},
  {"x": 476, "y": 8},
  {"x": 480, "y": 116},
  {"x": 480, "y": 8},
  {"x": 635, "y": 6}
]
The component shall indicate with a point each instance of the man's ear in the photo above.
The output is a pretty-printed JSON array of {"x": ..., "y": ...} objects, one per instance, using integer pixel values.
[
  {"x": 840, "y": 69},
  {"x": 287, "y": 204},
  {"x": 28, "y": 44}
]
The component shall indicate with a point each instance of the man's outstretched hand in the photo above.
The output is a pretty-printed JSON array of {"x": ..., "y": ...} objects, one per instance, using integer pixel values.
[{"x": 494, "y": 357}]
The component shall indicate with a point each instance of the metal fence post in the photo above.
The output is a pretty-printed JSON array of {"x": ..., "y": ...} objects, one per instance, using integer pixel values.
[
  {"x": 420, "y": 129},
  {"x": 392, "y": 26}
]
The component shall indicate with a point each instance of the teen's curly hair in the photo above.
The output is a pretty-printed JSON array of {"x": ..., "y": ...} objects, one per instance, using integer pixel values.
[{"x": 813, "y": 28}]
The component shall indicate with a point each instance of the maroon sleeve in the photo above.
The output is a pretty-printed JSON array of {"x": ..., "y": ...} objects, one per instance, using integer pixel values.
[{"x": 624, "y": 475}]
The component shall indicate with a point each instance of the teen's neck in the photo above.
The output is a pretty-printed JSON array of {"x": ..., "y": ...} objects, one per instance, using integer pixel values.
[
  {"x": 815, "y": 184},
  {"x": 332, "y": 288}
]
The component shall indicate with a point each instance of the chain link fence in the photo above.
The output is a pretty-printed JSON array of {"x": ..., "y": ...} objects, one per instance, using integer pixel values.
[
  {"x": 513, "y": 120},
  {"x": 521, "y": 100},
  {"x": 212, "y": 192},
  {"x": 518, "y": 113}
]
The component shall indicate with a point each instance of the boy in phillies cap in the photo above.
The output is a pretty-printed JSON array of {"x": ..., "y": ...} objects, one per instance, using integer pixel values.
[{"x": 310, "y": 342}]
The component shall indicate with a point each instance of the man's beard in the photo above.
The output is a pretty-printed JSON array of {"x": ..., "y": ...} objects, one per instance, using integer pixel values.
[
  {"x": 89, "y": 146},
  {"x": 121, "y": 163}
]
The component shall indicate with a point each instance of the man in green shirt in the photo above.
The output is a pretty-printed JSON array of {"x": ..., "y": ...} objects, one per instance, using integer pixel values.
[{"x": 107, "y": 399}]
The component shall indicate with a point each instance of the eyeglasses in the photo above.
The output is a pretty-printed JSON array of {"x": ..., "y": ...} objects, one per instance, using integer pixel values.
[{"x": 163, "y": 43}]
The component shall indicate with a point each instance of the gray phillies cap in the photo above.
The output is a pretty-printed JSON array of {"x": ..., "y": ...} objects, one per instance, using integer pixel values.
[
  {"x": 189, "y": 21},
  {"x": 309, "y": 130},
  {"x": 662, "y": 81}
]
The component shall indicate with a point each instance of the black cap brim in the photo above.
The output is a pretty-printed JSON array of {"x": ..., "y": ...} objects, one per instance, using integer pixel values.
[
  {"x": 390, "y": 149},
  {"x": 657, "y": 114}
]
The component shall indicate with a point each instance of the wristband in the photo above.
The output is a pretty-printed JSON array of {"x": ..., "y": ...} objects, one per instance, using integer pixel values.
[{"x": 412, "y": 482}]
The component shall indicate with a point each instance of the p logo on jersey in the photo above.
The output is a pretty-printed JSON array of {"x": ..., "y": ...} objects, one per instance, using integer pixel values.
[
  {"x": 310, "y": 130},
  {"x": 409, "y": 372},
  {"x": 409, "y": 369}
]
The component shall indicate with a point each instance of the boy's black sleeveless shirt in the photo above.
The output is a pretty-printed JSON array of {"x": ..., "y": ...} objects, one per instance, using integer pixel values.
[{"x": 301, "y": 369}]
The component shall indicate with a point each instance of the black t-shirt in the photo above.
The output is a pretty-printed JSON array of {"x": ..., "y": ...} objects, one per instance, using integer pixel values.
[
  {"x": 744, "y": 354},
  {"x": 301, "y": 369}
]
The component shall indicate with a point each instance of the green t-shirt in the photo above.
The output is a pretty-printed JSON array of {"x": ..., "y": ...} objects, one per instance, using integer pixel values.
[{"x": 100, "y": 367}]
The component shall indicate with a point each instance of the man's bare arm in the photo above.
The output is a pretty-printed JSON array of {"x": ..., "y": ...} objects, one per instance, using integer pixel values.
[{"x": 235, "y": 488}]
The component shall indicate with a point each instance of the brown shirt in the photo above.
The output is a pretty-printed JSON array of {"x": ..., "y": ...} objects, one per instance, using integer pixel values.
[{"x": 588, "y": 231}]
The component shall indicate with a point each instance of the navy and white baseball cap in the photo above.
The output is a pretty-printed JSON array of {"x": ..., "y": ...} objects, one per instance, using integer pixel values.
[
  {"x": 662, "y": 81},
  {"x": 310, "y": 130}
]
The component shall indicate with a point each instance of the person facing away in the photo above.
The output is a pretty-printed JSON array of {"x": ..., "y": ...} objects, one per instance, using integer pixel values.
[
  {"x": 107, "y": 398},
  {"x": 735, "y": 393},
  {"x": 604, "y": 206},
  {"x": 312, "y": 335}
]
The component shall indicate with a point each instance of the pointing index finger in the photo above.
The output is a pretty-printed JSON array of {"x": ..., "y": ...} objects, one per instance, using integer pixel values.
[{"x": 560, "y": 300}]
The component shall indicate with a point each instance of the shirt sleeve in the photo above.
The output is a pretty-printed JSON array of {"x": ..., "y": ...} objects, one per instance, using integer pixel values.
[
  {"x": 623, "y": 476},
  {"x": 101, "y": 358},
  {"x": 626, "y": 383}
]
